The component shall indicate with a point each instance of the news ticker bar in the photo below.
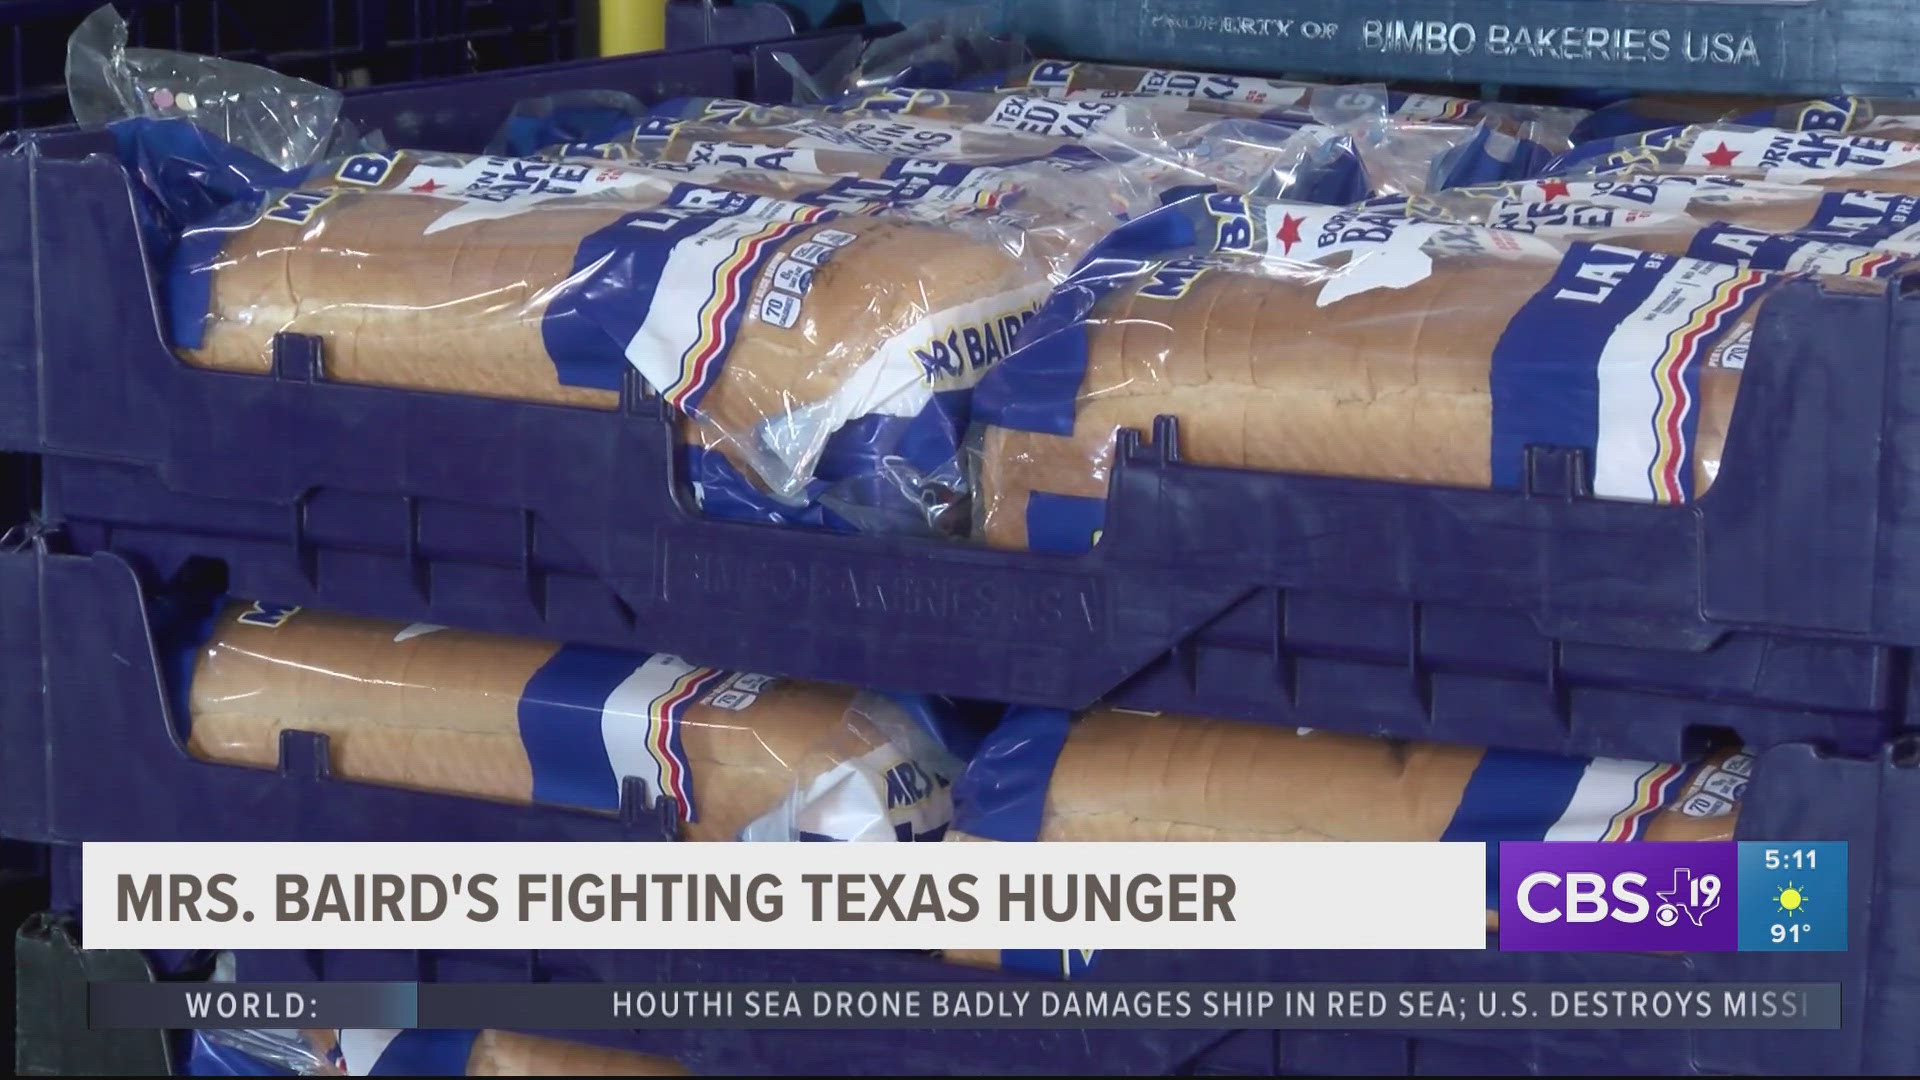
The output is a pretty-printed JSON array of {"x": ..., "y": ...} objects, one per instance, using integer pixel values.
[{"x": 867, "y": 1006}]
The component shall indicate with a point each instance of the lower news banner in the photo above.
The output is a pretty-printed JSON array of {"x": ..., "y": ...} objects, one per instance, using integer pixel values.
[{"x": 580, "y": 1006}]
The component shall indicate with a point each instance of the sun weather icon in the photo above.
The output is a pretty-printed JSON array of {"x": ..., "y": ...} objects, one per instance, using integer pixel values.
[{"x": 1791, "y": 900}]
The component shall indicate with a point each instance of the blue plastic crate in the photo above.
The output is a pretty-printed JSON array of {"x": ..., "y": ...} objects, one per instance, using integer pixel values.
[
  {"x": 75, "y": 643},
  {"x": 1796, "y": 795},
  {"x": 332, "y": 42},
  {"x": 1782, "y": 607},
  {"x": 1812, "y": 47},
  {"x": 102, "y": 689}
]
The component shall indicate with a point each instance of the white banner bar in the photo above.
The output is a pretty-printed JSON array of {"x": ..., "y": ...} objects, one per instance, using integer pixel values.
[{"x": 786, "y": 896}]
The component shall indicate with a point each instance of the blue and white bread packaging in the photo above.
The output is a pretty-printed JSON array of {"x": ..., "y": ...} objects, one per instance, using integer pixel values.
[
  {"x": 432, "y": 708},
  {"x": 1786, "y": 227},
  {"x": 1093, "y": 157},
  {"x": 1821, "y": 158},
  {"x": 1113, "y": 775},
  {"x": 771, "y": 321},
  {"x": 1335, "y": 341}
]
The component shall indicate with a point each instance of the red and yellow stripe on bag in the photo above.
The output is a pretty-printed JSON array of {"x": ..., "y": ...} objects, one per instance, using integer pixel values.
[
  {"x": 1684, "y": 345},
  {"x": 1871, "y": 264},
  {"x": 1652, "y": 791},
  {"x": 729, "y": 282},
  {"x": 664, "y": 716}
]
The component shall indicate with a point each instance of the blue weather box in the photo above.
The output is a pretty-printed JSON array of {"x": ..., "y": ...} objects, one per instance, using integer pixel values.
[{"x": 1793, "y": 896}]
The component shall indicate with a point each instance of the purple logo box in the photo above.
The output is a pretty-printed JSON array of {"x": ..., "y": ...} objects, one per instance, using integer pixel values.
[{"x": 1618, "y": 897}]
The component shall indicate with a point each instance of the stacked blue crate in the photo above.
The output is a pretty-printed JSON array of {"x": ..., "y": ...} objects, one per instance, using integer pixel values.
[
  {"x": 1811, "y": 47},
  {"x": 1780, "y": 608},
  {"x": 338, "y": 43}
]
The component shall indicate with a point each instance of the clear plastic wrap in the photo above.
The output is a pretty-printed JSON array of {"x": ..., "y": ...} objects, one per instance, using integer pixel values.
[
  {"x": 1498, "y": 142},
  {"x": 1061, "y": 201},
  {"x": 1802, "y": 230},
  {"x": 1778, "y": 155},
  {"x": 1126, "y": 170},
  {"x": 1084, "y": 776},
  {"x": 1339, "y": 341},
  {"x": 1233, "y": 95},
  {"x": 950, "y": 47},
  {"x": 258, "y": 1052},
  {"x": 938, "y": 124},
  {"x": 518, "y": 720},
  {"x": 285, "y": 121},
  {"x": 804, "y": 345}
]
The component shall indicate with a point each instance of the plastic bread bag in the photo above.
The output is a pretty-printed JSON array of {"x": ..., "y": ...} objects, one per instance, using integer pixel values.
[
  {"x": 701, "y": 119},
  {"x": 767, "y": 325},
  {"x": 1499, "y": 142},
  {"x": 1125, "y": 173},
  {"x": 884, "y": 775},
  {"x": 1883, "y": 220},
  {"x": 1770, "y": 243},
  {"x": 1334, "y": 341},
  {"x": 1081, "y": 190},
  {"x": 524, "y": 721},
  {"x": 1234, "y": 95},
  {"x": 1122, "y": 776},
  {"x": 283, "y": 121},
  {"x": 262, "y": 1052},
  {"x": 1778, "y": 155}
]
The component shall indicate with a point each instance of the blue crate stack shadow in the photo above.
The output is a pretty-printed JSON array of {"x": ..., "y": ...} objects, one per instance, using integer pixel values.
[
  {"x": 350, "y": 43},
  {"x": 1554, "y": 450}
]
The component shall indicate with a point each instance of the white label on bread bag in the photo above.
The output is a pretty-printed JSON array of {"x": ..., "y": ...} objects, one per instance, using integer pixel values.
[
  {"x": 1383, "y": 250},
  {"x": 1164, "y": 82},
  {"x": 1577, "y": 219},
  {"x": 1651, "y": 193},
  {"x": 904, "y": 136},
  {"x": 1047, "y": 116},
  {"x": 495, "y": 187},
  {"x": 1793, "y": 156},
  {"x": 742, "y": 155}
]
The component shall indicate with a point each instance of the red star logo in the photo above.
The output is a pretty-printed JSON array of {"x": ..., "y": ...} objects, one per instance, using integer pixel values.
[
  {"x": 1289, "y": 233},
  {"x": 1555, "y": 189},
  {"x": 1722, "y": 157},
  {"x": 429, "y": 187}
]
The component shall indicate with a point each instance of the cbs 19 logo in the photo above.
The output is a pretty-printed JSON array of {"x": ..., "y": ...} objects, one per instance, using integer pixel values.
[{"x": 1583, "y": 896}]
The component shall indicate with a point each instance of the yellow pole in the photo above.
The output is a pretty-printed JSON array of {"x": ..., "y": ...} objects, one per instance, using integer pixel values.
[{"x": 629, "y": 26}]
